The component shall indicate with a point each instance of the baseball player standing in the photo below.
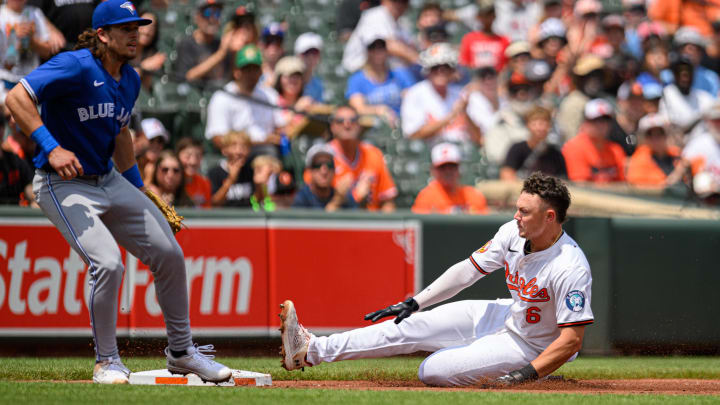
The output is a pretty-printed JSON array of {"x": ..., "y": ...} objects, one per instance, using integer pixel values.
[
  {"x": 86, "y": 97},
  {"x": 513, "y": 340}
]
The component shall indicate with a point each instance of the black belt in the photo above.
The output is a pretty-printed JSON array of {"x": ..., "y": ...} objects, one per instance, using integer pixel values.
[{"x": 49, "y": 169}]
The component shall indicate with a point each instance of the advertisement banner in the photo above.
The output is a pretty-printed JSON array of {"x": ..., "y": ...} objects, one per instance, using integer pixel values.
[{"x": 238, "y": 272}]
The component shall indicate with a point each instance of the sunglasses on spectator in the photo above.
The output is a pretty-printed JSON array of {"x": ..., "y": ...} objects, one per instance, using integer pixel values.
[
  {"x": 317, "y": 165},
  {"x": 341, "y": 120},
  {"x": 211, "y": 12},
  {"x": 175, "y": 170}
]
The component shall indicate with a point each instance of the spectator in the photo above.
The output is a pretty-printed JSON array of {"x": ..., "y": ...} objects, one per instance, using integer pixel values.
[
  {"x": 703, "y": 152},
  {"x": 655, "y": 163},
  {"x": 372, "y": 185},
  {"x": 630, "y": 109},
  {"x": 484, "y": 47},
  {"x": 550, "y": 41},
  {"x": 157, "y": 137},
  {"x": 655, "y": 65},
  {"x": 16, "y": 178},
  {"x": 203, "y": 58},
  {"x": 197, "y": 186},
  {"x": 66, "y": 20},
  {"x": 289, "y": 74},
  {"x": 376, "y": 89},
  {"x": 445, "y": 194},
  {"x": 584, "y": 26},
  {"x": 535, "y": 154},
  {"x": 436, "y": 109},
  {"x": 15, "y": 141},
  {"x": 25, "y": 41},
  {"x": 308, "y": 47},
  {"x": 383, "y": 21},
  {"x": 271, "y": 47},
  {"x": 515, "y": 18},
  {"x": 168, "y": 180},
  {"x": 231, "y": 109},
  {"x": 509, "y": 126},
  {"x": 484, "y": 101},
  {"x": 634, "y": 12},
  {"x": 148, "y": 59},
  {"x": 591, "y": 156},
  {"x": 552, "y": 10},
  {"x": 348, "y": 15},
  {"x": 266, "y": 169},
  {"x": 430, "y": 26},
  {"x": 691, "y": 45},
  {"x": 674, "y": 14},
  {"x": 517, "y": 55},
  {"x": 681, "y": 103},
  {"x": 588, "y": 77},
  {"x": 232, "y": 179},
  {"x": 322, "y": 192}
]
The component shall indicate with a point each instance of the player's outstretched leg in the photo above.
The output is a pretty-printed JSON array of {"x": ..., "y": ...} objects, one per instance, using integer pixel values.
[
  {"x": 295, "y": 339},
  {"x": 110, "y": 371},
  {"x": 197, "y": 362}
]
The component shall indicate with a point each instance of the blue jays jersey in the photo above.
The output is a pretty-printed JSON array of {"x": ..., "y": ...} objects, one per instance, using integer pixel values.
[{"x": 83, "y": 106}]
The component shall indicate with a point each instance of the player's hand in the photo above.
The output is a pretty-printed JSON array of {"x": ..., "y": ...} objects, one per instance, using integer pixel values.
[
  {"x": 401, "y": 310},
  {"x": 527, "y": 373},
  {"x": 65, "y": 163}
]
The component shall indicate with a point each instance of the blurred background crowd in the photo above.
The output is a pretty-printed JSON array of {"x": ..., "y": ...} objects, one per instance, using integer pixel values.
[{"x": 399, "y": 104}]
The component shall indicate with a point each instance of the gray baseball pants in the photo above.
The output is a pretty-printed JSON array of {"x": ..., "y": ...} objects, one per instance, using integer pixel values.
[{"x": 94, "y": 215}]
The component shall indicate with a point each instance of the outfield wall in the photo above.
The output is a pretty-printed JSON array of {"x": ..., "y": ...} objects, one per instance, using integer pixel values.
[{"x": 653, "y": 280}]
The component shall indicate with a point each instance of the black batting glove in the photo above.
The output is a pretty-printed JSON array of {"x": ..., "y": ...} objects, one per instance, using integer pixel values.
[
  {"x": 401, "y": 310},
  {"x": 527, "y": 373}
]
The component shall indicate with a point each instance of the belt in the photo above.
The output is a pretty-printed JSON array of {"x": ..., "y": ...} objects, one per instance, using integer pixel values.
[{"x": 94, "y": 177}]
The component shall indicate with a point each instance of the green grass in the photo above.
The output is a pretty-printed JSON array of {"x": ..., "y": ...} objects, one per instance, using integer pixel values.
[
  {"x": 15, "y": 371},
  {"x": 400, "y": 368}
]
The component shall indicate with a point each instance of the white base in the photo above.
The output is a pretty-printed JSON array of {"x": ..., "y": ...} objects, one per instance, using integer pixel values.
[{"x": 164, "y": 377}]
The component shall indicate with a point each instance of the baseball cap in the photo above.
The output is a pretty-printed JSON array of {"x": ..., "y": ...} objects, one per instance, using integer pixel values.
[
  {"x": 484, "y": 6},
  {"x": 598, "y": 108},
  {"x": 201, "y": 4},
  {"x": 274, "y": 29},
  {"x": 613, "y": 20},
  {"x": 538, "y": 70},
  {"x": 248, "y": 55},
  {"x": 588, "y": 64},
  {"x": 307, "y": 41},
  {"x": 689, "y": 35},
  {"x": 438, "y": 54},
  {"x": 552, "y": 27},
  {"x": 628, "y": 89},
  {"x": 152, "y": 127},
  {"x": 652, "y": 91},
  {"x": 647, "y": 29},
  {"x": 445, "y": 152},
  {"x": 288, "y": 65},
  {"x": 517, "y": 48},
  {"x": 651, "y": 121},
  {"x": 114, "y": 12},
  {"x": 316, "y": 150}
]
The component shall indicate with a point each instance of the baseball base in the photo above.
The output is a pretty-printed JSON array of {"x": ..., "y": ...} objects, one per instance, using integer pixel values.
[{"x": 240, "y": 378}]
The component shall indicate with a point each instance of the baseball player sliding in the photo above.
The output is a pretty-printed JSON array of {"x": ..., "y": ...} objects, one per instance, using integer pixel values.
[
  {"x": 513, "y": 340},
  {"x": 86, "y": 97}
]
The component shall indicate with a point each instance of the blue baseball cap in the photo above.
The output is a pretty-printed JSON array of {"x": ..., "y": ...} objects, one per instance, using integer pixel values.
[{"x": 113, "y": 12}]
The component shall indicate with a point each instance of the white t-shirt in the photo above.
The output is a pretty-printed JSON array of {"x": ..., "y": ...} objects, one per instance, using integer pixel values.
[
  {"x": 481, "y": 111},
  {"x": 375, "y": 22},
  {"x": 704, "y": 146},
  {"x": 511, "y": 21},
  {"x": 683, "y": 110},
  {"x": 551, "y": 288},
  {"x": 229, "y": 113},
  {"x": 27, "y": 59},
  {"x": 422, "y": 104}
]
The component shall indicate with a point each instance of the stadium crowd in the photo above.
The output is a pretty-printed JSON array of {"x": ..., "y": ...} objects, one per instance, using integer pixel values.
[{"x": 596, "y": 94}]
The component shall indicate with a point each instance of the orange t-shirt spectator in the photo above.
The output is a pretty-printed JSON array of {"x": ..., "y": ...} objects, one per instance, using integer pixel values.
[
  {"x": 445, "y": 194},
  {"x": 654, "y": 160},
  {"x": 197, "y": 186},
  {"x": 590, "y": 156}
]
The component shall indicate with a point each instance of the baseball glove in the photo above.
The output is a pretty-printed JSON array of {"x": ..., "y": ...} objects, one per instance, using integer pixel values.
[{"x": 173, "y": 218}]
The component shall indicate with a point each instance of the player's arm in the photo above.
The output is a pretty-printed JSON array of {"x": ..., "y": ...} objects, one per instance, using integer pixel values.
[
  {"x": 24, "y": 111},
  {"x": 124, "y": 158},
  {"x": 558, "y": 353}
]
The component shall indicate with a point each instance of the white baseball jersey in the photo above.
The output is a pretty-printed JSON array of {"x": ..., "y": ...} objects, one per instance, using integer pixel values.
[{"x": 550, "y": 288}]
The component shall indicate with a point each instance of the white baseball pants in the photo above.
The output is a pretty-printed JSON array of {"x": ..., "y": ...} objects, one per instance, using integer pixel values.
[
  {"x": 94, "y": 215},
  {"x": 468, "y": 338}
]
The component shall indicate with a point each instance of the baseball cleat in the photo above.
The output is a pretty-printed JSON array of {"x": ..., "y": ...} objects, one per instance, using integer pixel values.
[
  {"x": 295, "y": 339},
  {"x": 111, "y": 371},
  {"x": 199, "y": 363}
]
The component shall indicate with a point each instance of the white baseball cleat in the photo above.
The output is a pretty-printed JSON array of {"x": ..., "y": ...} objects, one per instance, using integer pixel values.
[
  {"x": 295, "y": 339},
  {"x": 111, "y": 371},
  {"x": 198, "y": 363}
]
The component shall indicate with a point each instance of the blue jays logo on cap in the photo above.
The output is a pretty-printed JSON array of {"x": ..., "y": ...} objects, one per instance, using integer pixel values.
[
  {"x": 575, "y": 300},
  {"x": 113, "y": 12}
]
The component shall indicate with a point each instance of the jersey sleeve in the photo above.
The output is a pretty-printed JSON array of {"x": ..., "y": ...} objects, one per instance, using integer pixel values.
[
  {"x": 491, "y": 256},
  {"x": 53, "y": 78},
  {"x": 573, "y": 299}
]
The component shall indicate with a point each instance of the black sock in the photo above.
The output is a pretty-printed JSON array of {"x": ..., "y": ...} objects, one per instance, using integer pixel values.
[{"x": 177, "y": 354}]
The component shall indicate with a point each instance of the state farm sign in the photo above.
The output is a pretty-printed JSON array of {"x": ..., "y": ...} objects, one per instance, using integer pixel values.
[{"x": 237, "y": 271}]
